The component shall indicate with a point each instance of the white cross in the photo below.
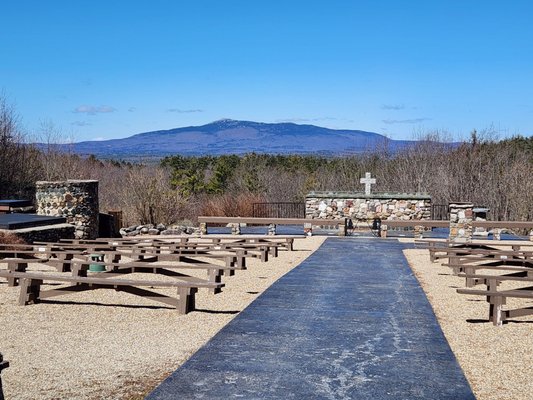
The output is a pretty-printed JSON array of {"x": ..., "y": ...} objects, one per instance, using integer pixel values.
[{"x": 367, "y": 180}]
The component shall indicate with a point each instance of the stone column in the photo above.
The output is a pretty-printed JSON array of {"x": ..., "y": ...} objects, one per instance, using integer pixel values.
[
  {"x": 77, "y": 201},
  {"x": 236, "y": 229},
  {"x": 203, "y": 228},
  {"x": 272, "y": 230},
  {"x": 461, "y": 229},
  {"x": 343, "y": 227},
  {"x": 419, "y": 231}
]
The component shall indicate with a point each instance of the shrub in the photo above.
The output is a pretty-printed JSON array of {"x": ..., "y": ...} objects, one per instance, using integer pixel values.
[{"x": 10, "y": 238}]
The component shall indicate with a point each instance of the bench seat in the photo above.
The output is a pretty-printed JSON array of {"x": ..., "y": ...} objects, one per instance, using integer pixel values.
[
  {"x": 497, "y": 298},
  {"x": 30, "y": 288}
]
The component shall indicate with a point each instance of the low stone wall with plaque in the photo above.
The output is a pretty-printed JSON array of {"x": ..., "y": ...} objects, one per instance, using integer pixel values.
[{"x": 362, "y": 207}]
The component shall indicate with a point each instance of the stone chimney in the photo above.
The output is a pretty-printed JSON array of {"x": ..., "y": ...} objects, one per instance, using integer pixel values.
[{"x": 76, "y": 200}]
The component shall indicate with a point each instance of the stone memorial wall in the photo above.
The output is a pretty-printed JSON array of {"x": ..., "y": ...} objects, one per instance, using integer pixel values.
[
  {"x": 76, "y": 200},
  {"x": 366, "y": 207}
]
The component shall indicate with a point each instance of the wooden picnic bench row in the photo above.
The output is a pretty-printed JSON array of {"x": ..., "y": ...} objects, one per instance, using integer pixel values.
[
  {"x": 31, "y": 288},
  {"x": 439, "y": 248},
  {"x": 282, "y": 241},
  {"x": 494, "y": 265},
  {"x": 145, "y": 257}
]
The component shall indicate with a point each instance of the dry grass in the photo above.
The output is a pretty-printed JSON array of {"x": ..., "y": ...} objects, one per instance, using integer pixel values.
[
  {"x": 10, "y": 238},
  {"x": 240, "y": 205}
]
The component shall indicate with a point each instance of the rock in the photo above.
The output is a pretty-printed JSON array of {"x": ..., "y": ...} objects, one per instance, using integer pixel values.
[
  {"x": 161, "y": 227},
  {"x": 171, "y": 232},
  {"x": 153, "y": 231}
]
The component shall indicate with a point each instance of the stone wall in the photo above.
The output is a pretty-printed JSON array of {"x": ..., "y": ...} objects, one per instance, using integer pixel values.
[
  {"x": 75, "y": 200},
  {"x": 360, "y": 207}
]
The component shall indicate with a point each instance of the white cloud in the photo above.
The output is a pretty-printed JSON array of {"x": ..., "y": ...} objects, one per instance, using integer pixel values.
[
  {"x": 81, "y": 123},
  {"x": 93, "y": 110},
  {"x": 406, "y": 121},
  {"x": 307, "y": 119},
  {"x": 393, "y": 107},
  {"x": 180, "y": 111}
]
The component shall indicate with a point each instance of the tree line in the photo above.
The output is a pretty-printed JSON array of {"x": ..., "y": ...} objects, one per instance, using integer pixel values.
[{"x": 485, "y": 171}]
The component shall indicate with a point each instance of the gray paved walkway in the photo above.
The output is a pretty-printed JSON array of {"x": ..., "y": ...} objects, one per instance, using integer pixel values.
[{"x": 351, "y": 322}]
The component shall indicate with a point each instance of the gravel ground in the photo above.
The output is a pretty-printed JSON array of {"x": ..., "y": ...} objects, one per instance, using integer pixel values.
[
  {"x": 110, "y": 345},
  {"x": 497, "y": 361}
]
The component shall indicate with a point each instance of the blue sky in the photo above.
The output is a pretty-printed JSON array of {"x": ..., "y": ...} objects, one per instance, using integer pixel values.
[{"x": 109, "y": 69}]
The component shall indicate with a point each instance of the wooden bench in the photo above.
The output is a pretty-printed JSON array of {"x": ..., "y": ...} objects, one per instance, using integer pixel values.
[
  {"x": 497, "y": 298},
  {"x": 458, "y": 260},
  {"x": 280, "y": 241},
  {"x": 30, "y": 288},
  {"x": 308, "y": 223},
  {"x": 234, "y": 257},
  {"x": 249, "y": 243},
  {"x": 30, "y": 254},
  {"x": 81, "y": 267},
  {"x": 261, "y": 251},
  {"x": 440, "y": 248}
]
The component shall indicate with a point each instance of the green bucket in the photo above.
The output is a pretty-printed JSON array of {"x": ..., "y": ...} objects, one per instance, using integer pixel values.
[{"x": 97, "y": 267}]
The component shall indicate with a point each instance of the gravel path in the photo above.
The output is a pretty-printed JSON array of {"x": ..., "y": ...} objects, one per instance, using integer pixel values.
[
  {"x": 497, "y": 361},
  {"x": 109, "y": 345}
]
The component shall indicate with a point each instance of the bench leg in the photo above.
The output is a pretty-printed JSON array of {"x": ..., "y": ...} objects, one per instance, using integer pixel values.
[
  {"x": 186, "y": 299},
  {"x": 264, "y": 254},
  {"x": 29, "y": 291},
  {"x": 495, "y": 310},
  {"x": 230, "y": 262},
  {"x": 215, "y": 276},
  {"x": 18, "y": 267},
  {"x": 79, "y": 269},
  {"x": 64, "y": 267},
  {"x": 290, "y": 244}
]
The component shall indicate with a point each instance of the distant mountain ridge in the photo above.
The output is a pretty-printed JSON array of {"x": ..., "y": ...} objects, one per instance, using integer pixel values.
[{"x": 239, "y": 137}]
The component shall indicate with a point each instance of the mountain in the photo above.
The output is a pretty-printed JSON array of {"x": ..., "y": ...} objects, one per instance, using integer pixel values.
[{"x": 239, "y": 137}]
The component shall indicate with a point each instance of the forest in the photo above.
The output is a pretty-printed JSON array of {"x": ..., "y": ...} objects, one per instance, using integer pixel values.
[{"x": 486, "y": 171}]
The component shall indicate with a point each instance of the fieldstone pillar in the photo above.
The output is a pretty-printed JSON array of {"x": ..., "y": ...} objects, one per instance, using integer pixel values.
[
  {"x": 75, "y": 200},
  {"x": 236, "y": 229},
  {"x": 419, "y": 231},
  {"x": 271, "y": 230},
  {"x": 461, "y": 215}
]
